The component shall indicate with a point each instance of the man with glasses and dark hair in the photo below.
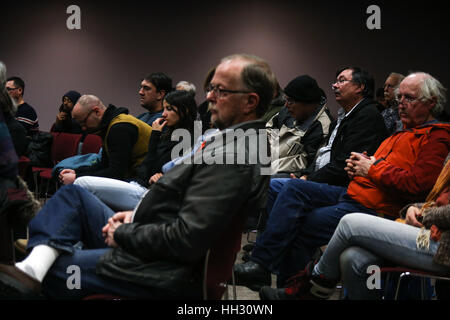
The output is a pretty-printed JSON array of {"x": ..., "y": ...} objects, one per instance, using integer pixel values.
[
  {"x": 25, "y": 114},
  {"x": 158, "y": 250},
  {"x": 125, "y": 140},
  {"x": 359, "y": 128},
  {"x": 152, "y": 91}
]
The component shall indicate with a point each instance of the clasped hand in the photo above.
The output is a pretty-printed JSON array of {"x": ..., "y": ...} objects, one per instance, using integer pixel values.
[
  {"x": 359, "y": 164},
  {"x": 113, "y": 223}
]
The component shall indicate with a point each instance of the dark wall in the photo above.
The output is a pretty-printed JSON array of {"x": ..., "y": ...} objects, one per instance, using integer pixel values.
[{"x": 122, "y": 41}]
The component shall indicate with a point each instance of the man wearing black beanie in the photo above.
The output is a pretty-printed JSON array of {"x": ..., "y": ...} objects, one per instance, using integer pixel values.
[
  {"x": 64, "y": 121},
  {"x": 298, "y": 143}
]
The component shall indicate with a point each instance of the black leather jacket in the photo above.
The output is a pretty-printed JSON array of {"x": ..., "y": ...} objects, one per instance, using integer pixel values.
[{"x": 182, "y": 216}]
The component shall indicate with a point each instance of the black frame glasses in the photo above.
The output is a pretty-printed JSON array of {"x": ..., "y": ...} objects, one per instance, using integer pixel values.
[{"x": 218, "y": 92}]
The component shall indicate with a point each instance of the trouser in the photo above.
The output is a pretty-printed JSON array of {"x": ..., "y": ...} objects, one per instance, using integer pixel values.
[
  {"x": 117, "y": 194},
  {"x": 362, "y": 242},
  {"x": 72, "y": 221},
  {"x": 303, "y": 216}
]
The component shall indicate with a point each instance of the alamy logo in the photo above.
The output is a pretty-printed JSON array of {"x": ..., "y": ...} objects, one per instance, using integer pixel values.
[
  {"x": 74, "y": 280},
  {"x": 374, "y": 280},
  {"x": 374, "y": 21},
  {"x": 74, "y": 20},
  {"x": 225, "y": 147}
]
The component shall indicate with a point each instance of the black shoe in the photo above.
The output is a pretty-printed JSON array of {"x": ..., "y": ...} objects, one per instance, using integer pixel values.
[
  {"x": 246, "y": 257},
  {"x": 17, "y": 285},
  {"x": 251, "y": 275}
]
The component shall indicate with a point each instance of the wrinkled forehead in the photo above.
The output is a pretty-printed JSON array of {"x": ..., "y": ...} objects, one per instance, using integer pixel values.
[{"x": 410, "y": 84}]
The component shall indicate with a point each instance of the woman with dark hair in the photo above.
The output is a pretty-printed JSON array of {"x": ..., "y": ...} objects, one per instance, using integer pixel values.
[{"x": 180, "y": 112}]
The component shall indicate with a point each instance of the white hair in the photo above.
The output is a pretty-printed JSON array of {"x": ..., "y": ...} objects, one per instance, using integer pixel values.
[
  {"x": 187, "y": 86},
  {"x": 431, "y": 88},
  {"x": 2, "y": 74}
]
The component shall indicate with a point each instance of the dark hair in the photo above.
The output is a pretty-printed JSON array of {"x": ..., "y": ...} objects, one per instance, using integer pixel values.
[
  {"x": 361, "y": 77},
  {"x": 161, "y": 81},
  {"x": 380, "y": 93},
  {"x": 186, "y": 107},
  {"x": 18, "y": 82},
  {"x": 208, "y": 78},
  {"x": 6, "y": 104}
]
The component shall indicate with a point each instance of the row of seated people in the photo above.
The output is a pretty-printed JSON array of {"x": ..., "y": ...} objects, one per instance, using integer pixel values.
[{"x": 152, "y": 247}]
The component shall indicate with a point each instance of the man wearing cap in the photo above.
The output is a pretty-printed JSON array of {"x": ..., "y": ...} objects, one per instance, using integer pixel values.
[
  {"x": 64, "y": 121},
  {"x": 297, "y": 145},
  {"x": 359, "y": 128}
]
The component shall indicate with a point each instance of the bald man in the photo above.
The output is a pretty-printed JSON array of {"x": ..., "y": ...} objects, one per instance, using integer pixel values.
[{"x": 124, "y": 140}]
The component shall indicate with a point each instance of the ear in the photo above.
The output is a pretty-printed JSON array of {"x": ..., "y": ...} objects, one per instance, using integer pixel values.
[
  {"x": 252, "y": 103},
  {"x": 432, "y": 103},
  {"x": 361, "y": 88},
  {"x": 160, "y": 94}
]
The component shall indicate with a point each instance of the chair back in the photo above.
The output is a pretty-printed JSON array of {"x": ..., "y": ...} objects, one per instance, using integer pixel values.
[
  {"x": 221, "y": 258},
  {"x": 91, "y": 144},
  {"x": 64, "y": 145}
]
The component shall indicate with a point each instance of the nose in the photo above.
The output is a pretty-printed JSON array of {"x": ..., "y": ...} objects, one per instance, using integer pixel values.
[{"x": 210, "y": 96}]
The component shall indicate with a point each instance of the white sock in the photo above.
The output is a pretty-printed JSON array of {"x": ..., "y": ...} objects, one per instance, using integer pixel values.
[{"x": 39, "y": 261}]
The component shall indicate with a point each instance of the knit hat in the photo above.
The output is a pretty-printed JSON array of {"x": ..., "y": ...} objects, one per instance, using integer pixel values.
[
  {"x": 73, "y": 96},
  {"x": 304, "y": 89}
]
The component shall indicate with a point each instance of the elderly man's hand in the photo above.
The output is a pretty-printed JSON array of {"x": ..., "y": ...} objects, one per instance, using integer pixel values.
[{"x": 359, "y": 164}]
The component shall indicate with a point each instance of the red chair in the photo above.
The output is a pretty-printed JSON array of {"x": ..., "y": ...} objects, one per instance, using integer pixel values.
[
  {"x": 220, "y": 260},
  {"x": 64, "y": 145},
  {"x": 91, "y": 144},
  {"x": 23, "y": 164}
]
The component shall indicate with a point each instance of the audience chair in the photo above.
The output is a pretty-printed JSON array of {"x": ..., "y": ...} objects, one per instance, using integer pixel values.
[
  {"x": 220, "y": 260},
  {"x": 64, "y": 145},
  {"x": 91, "y": 144},
  {"x": 404, "y": 273},
  {"x": 23, "y": 164}
]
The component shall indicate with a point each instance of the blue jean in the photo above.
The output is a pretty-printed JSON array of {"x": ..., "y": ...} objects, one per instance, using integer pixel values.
[
  {"x": 72, "y": 221},
  {"x": 361, "y": 241},
  {"x": 302, "y": 217}
]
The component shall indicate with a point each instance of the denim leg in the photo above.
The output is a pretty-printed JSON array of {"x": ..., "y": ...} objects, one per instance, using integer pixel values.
[
  {"x": 118, "y": 195},
  {"x": 73, "y": 276},
  {"x": 71, "y": 215},
  {"x": 362, "y": 240},
  {"x": 296, "y": 198},
  {"x": 275, "y": 186},
  {"x": 315, "y": 230},
  {"x": 354, "y": 263}
]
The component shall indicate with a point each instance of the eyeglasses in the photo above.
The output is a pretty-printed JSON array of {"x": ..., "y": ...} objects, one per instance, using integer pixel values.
[
  {"x": 220, "y": 92},
  {"x": 289, "y": 100},
  {"x": 83, "y": 123},
  {"x": 339, "y": 81},
  {"x": 406, "y": 98},
  {"x": 11, "y": 89}
]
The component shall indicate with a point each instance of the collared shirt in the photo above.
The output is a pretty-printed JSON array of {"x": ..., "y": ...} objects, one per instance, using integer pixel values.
[{"x": 324, "y": 153}]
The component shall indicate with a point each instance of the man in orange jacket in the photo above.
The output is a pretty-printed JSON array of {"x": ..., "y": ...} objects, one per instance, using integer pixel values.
[{"x": 403, "y": 170}]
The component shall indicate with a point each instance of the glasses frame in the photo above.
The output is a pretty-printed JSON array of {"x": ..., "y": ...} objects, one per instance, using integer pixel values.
[
  {"x": 218, "y": 92},
  {"x": 12, "y": 89},
  {"x": 407, "y": 98}
]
